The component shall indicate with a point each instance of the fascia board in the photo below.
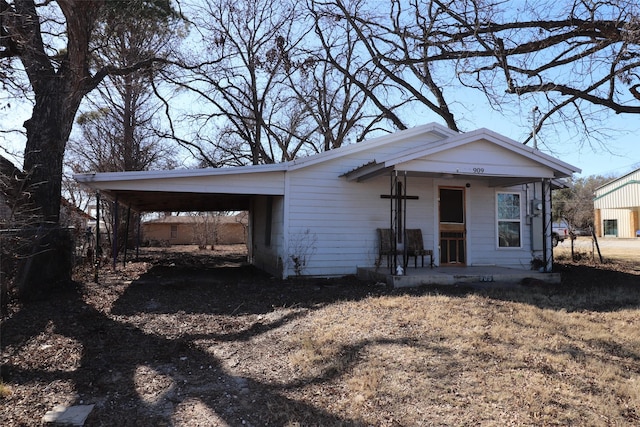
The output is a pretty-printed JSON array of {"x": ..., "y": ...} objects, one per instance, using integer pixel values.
[{"x": 90, "y": 177}]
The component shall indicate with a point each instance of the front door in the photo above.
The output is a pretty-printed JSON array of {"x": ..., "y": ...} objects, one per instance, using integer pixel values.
[{"x": 452, "y": 225}]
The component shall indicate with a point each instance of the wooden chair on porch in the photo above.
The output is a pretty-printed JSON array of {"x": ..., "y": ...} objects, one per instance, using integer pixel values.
[
  {"x": 386, "y": 241},
  {"x": 415, "y": 247}
]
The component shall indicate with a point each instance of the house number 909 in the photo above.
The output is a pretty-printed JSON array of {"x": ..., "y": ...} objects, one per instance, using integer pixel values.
[{"x": 478, "y": 170}]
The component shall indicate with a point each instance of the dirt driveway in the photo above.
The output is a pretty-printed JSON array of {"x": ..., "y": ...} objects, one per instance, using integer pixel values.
[{"x": 611, "y": 248}]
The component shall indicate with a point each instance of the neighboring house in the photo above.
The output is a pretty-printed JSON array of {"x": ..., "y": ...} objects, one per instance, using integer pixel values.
[
  {"x": 9, "y": 177},
  {"x": 617, "y": 207},
  {"x": 197, "y": 229},
  {"x": 11, "y": 182},
  {"x": 479, "y": 199}
]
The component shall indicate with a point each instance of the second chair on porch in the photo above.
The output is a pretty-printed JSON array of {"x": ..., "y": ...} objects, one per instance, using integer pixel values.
[{"x": 415, "y": 247}]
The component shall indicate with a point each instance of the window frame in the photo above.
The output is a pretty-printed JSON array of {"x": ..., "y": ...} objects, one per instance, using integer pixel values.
[{"x": 499, "y": 220}]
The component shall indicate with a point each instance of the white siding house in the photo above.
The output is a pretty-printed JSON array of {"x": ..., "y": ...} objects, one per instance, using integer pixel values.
[
  {"x": 479, "y": 199},
  {"x": 617, "y": 207}
]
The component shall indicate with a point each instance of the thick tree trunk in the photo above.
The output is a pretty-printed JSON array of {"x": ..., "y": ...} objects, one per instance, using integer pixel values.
[
  {"x": 50, "y": 262},
  {"x": 43, "y": 157},
  {"x": 58, "y": 87}
]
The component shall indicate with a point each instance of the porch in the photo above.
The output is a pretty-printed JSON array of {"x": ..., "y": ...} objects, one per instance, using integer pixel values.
[{"x": 451, "y": 275}]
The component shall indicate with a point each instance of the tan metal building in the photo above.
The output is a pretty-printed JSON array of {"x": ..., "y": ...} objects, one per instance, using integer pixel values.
[
  {"x": 202, "y": 230},
  {"x": 617, "y": 207}
]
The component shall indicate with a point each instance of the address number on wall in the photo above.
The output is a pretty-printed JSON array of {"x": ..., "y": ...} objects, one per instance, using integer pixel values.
[{"x": 478, "y": 170}]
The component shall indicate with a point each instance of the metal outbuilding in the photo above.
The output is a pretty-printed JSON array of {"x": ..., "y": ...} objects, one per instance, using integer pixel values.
[{"x": 617, "y": 207}]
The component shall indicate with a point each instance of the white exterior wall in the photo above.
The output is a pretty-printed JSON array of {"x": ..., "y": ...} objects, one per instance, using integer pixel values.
[
  {"x": 338, "y": 220},
  {"x": 482, "y": 223},
  {"x": 340, "y": 217},
  {"x": 267, "y": 256}
]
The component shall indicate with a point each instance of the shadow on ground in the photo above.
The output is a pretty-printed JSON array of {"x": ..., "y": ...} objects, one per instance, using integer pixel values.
[{"x": 156, "y": 325}]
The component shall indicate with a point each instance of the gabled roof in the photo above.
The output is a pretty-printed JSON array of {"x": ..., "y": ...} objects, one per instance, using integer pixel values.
[
  {"x": 435, "y": 150},
  {"x": 620, "y": 193},
  {"x": 517, "y": 162},
  {"x": 231, "y": 188}
]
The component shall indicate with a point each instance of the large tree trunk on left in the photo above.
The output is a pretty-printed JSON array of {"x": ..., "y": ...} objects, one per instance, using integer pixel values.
[
  {"x": 50, "y": 262},
  {"x": 58, "y": 87}
]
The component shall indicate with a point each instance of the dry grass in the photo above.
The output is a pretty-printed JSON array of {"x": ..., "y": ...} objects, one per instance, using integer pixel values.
[
  {"x": 448, "y": 360},
  {"x": 180, "y": 344},
  {"x": 5, "y": 390}
]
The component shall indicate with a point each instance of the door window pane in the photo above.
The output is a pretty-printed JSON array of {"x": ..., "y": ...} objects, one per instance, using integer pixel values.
[{"x": 451, "y": 206}]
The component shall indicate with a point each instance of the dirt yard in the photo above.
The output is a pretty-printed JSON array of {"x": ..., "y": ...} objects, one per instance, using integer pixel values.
[
  {"x": 611, "y": 249},
  {"x": 198, "y": 338}
]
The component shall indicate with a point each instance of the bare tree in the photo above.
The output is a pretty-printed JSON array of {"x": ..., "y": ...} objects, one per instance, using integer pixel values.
[
  {"x": 382, "y": 41},
  {"x": 250, "y": 116},
  {"x": 51, "y": 43},
  {"x": 336, "y": 86},
  {"x": 574, "y": 204},
  {"x": 574, "y": 59}
]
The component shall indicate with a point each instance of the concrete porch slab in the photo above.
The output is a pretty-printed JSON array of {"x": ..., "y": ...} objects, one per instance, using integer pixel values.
[{"x": 455, "y": 275}]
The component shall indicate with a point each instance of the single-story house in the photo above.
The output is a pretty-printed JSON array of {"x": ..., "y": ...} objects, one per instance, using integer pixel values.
[
  {"x": 196, "y": 229},
  {"x": 478, "y": 198},
  {"x": 617, "y": 207}
]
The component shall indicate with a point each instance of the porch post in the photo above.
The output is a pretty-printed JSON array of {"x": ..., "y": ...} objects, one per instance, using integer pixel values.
[{"x": 547, "y": 249}]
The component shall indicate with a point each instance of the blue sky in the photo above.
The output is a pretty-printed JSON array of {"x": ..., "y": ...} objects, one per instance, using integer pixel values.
[{"x": 620, "y": 156}]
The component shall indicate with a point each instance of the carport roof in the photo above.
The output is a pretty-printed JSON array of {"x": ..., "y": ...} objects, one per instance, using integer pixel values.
[
  {"x": 223, "y": 189},
  {"x": 166, "y": 201}
]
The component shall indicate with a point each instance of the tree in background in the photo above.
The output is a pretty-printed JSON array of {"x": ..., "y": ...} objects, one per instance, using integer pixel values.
[
  {"x": 119, "y": 128},
  {"x": 394, "y": 44},
  {"x": 575, "y": 60},
  {"x": 574, "y": 204},
  {"x": 248, "y": 115}
]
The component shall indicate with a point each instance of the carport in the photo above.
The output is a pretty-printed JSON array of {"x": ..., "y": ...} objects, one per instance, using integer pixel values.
[{"x": 201, "y": 190}]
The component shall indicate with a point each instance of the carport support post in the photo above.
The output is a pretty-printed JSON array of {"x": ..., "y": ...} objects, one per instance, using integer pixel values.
[
  {"x": 97, "y": 253},
  {"x": 138, "y": 237},
  {"x": 114, "y": 247},
  {"x": 126, "y": 239}
]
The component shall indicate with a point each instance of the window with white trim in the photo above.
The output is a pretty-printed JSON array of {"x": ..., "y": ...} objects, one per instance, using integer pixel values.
[{"x": 508, "y": 213}]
